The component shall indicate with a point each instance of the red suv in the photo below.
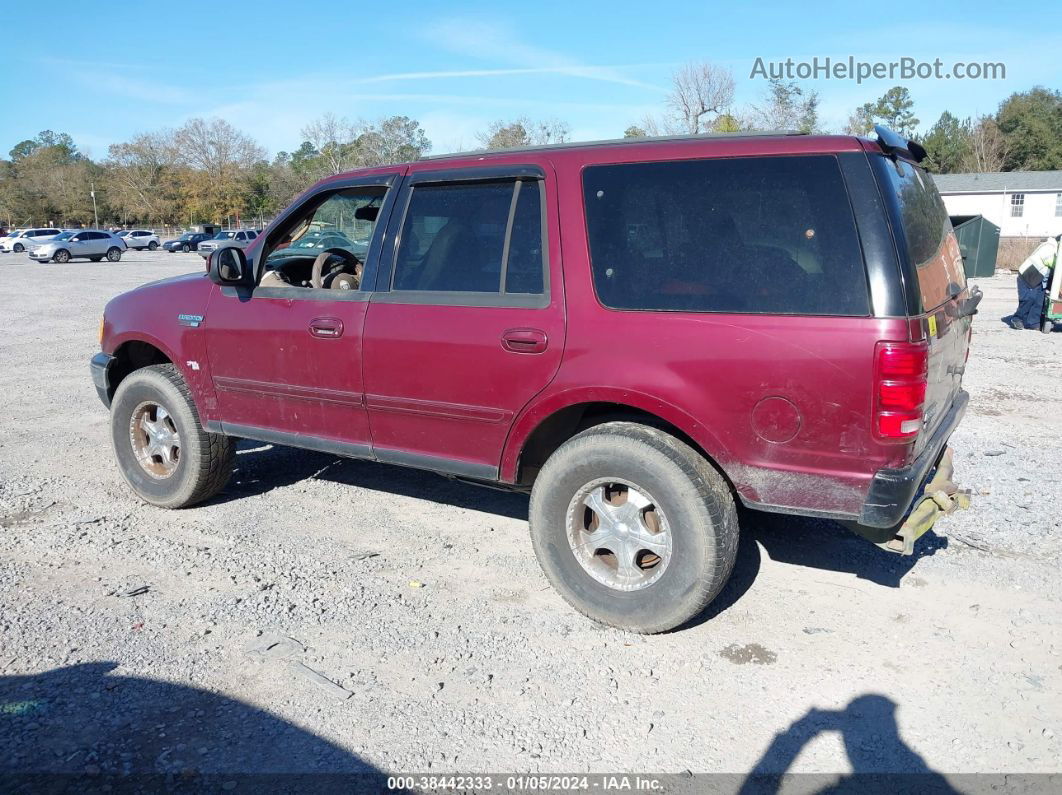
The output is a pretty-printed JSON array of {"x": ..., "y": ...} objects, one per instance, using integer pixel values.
[{"x": 642, "y": 334}]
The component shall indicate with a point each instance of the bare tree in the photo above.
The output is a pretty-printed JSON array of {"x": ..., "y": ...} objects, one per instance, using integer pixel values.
[
  {"x": 788, "y": 107},
  {"x": 140, "y": 177},
  {"x": 524, "y": 132},
  {"x": 336, "y": 141},
  {"x": 700, "y": 92},
  {"x": 988, "y": 147},
  {"x": 216, "y": 147}
]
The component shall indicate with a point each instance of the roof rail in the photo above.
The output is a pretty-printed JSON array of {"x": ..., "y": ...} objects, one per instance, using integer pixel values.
[
  {"x": 617, "y": 142},
  {"x": 895, "y": 144}
]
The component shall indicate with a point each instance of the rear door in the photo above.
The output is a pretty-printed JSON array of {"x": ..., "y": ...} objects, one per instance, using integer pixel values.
[
  {"x": 928, "y": 247},
  {"x": 467, "y": 324}
]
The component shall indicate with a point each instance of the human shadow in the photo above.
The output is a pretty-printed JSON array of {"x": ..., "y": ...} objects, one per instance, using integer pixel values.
[
  {"x": 83, "y": 728},
  {"x": 881, "y": 761}
]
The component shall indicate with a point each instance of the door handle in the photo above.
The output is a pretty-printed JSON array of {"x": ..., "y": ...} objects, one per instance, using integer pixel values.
[
  {"x": 524, "y": 340},
  {"x": 326, "y": 327}
]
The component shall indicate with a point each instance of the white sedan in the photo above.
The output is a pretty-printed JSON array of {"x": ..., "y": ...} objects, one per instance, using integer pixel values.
[{"x": 27, "y": 239}]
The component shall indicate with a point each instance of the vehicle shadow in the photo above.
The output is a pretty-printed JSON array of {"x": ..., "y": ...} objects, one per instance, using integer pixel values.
[
  {"x": 822, "y": 544},
  {"x": 82, "y": 727},
  {"x": 798, "y": 541},
  {"x": 262, "y": 467},
  {"x": 881, "y": 761}
]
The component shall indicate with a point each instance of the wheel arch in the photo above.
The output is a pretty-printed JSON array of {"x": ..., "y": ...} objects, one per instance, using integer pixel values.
[
  {"x": 546, "y": 425},
  {"x": 134, "y": 354}
]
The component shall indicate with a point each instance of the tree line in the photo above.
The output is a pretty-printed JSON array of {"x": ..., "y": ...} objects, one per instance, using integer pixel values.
[{"x": 209, "y": 171}]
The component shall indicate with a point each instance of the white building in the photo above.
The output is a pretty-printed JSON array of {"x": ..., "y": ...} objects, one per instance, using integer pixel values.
[{"x": 1020, "y": 203}]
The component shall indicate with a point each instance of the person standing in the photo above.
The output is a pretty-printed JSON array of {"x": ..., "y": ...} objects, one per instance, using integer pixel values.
[{"x": 1031, "y": 295}]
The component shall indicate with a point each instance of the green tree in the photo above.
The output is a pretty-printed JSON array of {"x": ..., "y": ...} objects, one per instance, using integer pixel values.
[
  {"x": 1031, "y": 124},
  {"x": 787, "y": 107},
  {"x": 948, "y": 144},
  {"x": 524, "y": 132},
  {"x": 895, "y": 109},
  {"x": 634, "y": 131}
]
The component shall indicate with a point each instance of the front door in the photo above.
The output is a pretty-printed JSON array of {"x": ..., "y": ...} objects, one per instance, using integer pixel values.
[
  {"x": 467, "y": 325},
  {"x": 285, "y": 355}
]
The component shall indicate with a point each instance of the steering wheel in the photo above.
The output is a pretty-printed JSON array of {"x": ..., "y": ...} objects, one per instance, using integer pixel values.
[{"x": 317, "y": 276}]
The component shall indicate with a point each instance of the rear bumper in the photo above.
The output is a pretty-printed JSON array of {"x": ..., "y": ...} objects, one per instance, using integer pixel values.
[
  {"x": 100, "y": 367},
  {"x": 893, "y": 491}
]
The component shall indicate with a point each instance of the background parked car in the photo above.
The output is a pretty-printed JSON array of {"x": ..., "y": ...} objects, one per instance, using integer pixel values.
[
  {"x": 140, "y": 239},
  {"x": 238, "y": 238},
  {"x": 93, "y": 244},
  {"x": 28, "y": 239},
  {"x": 189, "y": 241}
]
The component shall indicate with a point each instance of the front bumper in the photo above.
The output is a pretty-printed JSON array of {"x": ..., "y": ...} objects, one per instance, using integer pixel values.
[
  {"x": 100, "y": 367},
  {"x": 41, "y": 256},
  {"x": 893, "y": 492}
]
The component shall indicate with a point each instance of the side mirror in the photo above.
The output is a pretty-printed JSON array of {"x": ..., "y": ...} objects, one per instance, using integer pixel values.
[{"x": 228, "y": 266}]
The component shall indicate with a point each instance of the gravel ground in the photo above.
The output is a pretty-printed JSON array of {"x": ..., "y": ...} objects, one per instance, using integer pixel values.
[{"x": 325, "y": 614}]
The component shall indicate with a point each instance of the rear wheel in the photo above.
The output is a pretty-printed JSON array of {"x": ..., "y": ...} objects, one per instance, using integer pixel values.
[
  {"x": 152, "y": 245},
  {"x": 633, "y": 527},
  {"x": 62, "y": 255},
  {"x": 163, "y": 452},
  {"x": 114, "y": 254}
]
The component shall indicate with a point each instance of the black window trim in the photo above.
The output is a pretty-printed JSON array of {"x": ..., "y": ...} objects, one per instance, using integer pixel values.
[
  {"x": 518, "y": 174},
  {"x": 391, "y": 181},
  {"x": 868, "y": 283}
]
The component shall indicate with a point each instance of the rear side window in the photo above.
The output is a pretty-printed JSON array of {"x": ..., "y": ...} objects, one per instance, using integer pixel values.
[
  {"x": 472, "y": 237},
  {"x": 765, "y": 235},
  {"x": 926, "y": 230}
]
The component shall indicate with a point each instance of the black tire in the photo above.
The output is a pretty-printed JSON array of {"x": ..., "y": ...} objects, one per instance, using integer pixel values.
[
  {"x": 114, "y": 254},
  {"x": 61, "y": 255},
  {"x": 185, "y": 248},
  {"x": 152, "y": 245},
  {"x": 206, "y": 459},
  {"x": 18, "y": 248},
  {"x": 696, "y": 499}
]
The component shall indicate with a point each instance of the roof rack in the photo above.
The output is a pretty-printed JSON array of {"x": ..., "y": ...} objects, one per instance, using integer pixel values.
[{"x": 617, "y": 142}]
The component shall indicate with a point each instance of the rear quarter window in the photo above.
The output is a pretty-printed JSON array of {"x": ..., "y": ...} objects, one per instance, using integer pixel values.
[
  {"x": 765, "y": 235},
  {"x": 926, "y": 231}
]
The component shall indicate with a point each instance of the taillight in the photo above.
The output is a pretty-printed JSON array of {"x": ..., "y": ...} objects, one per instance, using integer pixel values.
[{"x": 901, "y": 377}]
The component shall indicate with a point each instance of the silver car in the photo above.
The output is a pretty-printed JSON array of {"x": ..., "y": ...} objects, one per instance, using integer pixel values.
[
  {"x": 93, "y": 244},
  {"x": 238, "y": 238},
  {"x": 27, "y": 239}
]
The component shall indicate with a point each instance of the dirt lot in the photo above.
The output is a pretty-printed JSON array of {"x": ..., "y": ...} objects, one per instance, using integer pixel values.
[{"x": 138, "y": 639}]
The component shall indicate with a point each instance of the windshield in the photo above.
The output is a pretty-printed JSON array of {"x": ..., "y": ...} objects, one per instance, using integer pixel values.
[
  {"x": 64, "y": 236},
  {"x": 224, "y": 235}
]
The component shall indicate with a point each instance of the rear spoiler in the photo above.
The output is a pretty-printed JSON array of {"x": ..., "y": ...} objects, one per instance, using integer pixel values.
[{"x": 895, "y": 145}]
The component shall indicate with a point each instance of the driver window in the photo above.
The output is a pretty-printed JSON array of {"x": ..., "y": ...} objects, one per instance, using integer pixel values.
[{"x": 325, "y": 247}]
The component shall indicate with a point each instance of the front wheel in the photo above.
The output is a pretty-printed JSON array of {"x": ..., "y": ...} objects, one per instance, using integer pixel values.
[
  {"x": 163, "y": 452},
  {"x": 18, "y": 248},
  {"x": 633, "y": 527},
  {"x": 114, "y": 254},
  {"x": 62, "y": 255},
  {"x": 152, "y": 245},
  {"x": 185, "y": 248}
]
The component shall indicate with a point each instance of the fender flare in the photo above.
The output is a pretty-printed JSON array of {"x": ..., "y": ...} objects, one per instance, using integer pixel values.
[{"x": 538, "y": 411}]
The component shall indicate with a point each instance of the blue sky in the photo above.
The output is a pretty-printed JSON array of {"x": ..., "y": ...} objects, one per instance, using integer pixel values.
[{"x": 103, "y": 74}]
